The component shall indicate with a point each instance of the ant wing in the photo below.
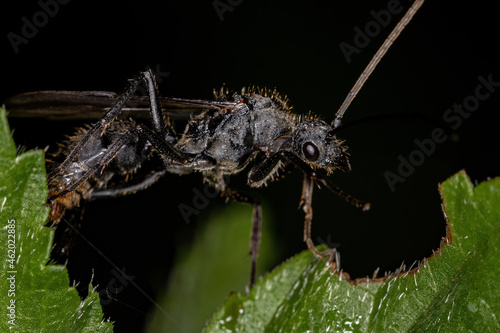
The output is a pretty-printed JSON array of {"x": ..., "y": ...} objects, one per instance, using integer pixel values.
[{"x": 89, "y": 105}]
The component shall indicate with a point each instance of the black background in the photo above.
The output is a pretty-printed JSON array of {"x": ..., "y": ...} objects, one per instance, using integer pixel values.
[{"x": 293, "y": 46}]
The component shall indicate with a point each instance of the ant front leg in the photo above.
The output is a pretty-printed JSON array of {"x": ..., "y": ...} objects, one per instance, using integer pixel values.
[
  {"x": 268, "y": 166},
  {"x": 306, "y": 204},
  {"x": 265, "y": 170}
]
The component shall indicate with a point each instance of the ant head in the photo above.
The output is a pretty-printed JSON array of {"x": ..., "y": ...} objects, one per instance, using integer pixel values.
[{"x": 314, "y": 142}]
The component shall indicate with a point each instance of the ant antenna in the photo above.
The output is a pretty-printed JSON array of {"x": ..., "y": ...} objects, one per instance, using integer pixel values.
[{"x": 375, "y": 60}]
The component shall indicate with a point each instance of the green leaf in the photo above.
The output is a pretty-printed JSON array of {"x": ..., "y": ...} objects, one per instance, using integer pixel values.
[
  {"x": 216, "y": 261},
  {"x": 38, "y": 295},
  {"x": 456, "y": 290}
]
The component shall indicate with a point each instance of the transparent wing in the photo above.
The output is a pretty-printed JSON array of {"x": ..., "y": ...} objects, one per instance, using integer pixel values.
[{"x": 88, "y": 105}]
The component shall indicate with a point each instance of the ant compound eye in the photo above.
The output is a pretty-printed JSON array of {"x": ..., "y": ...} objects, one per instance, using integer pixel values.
[{"x": 310, "y": 151}]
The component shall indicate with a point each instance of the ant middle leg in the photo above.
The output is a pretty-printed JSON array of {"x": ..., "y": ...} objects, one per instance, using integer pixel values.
[{"x": 256, "y": 230}]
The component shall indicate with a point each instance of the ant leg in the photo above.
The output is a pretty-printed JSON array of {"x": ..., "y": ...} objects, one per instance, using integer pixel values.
[
  {"x": 155, "y": 110},
  {"x": 154, "y": 103},
  {"x": 168, "y": 153},
  {"x": 125, "y": 190},
  {"x": 264, "y": 169},
  {"x": 350, "y": 199},
  {"x": 256, "y": 231},
  {"x": 306, "y": 204},
  {"x": 99, "y": 164},
  {"x": 317, "y": 178},
  {"x": 104, "y": 121}
]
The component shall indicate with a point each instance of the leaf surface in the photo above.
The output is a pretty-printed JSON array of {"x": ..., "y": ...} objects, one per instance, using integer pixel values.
[
  {"x": 455, "y": 290},
  {"x": 38, "y": 295}
]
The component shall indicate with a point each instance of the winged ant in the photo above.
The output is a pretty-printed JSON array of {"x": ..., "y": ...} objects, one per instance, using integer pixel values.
[{"x": 252, "y": 130}]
